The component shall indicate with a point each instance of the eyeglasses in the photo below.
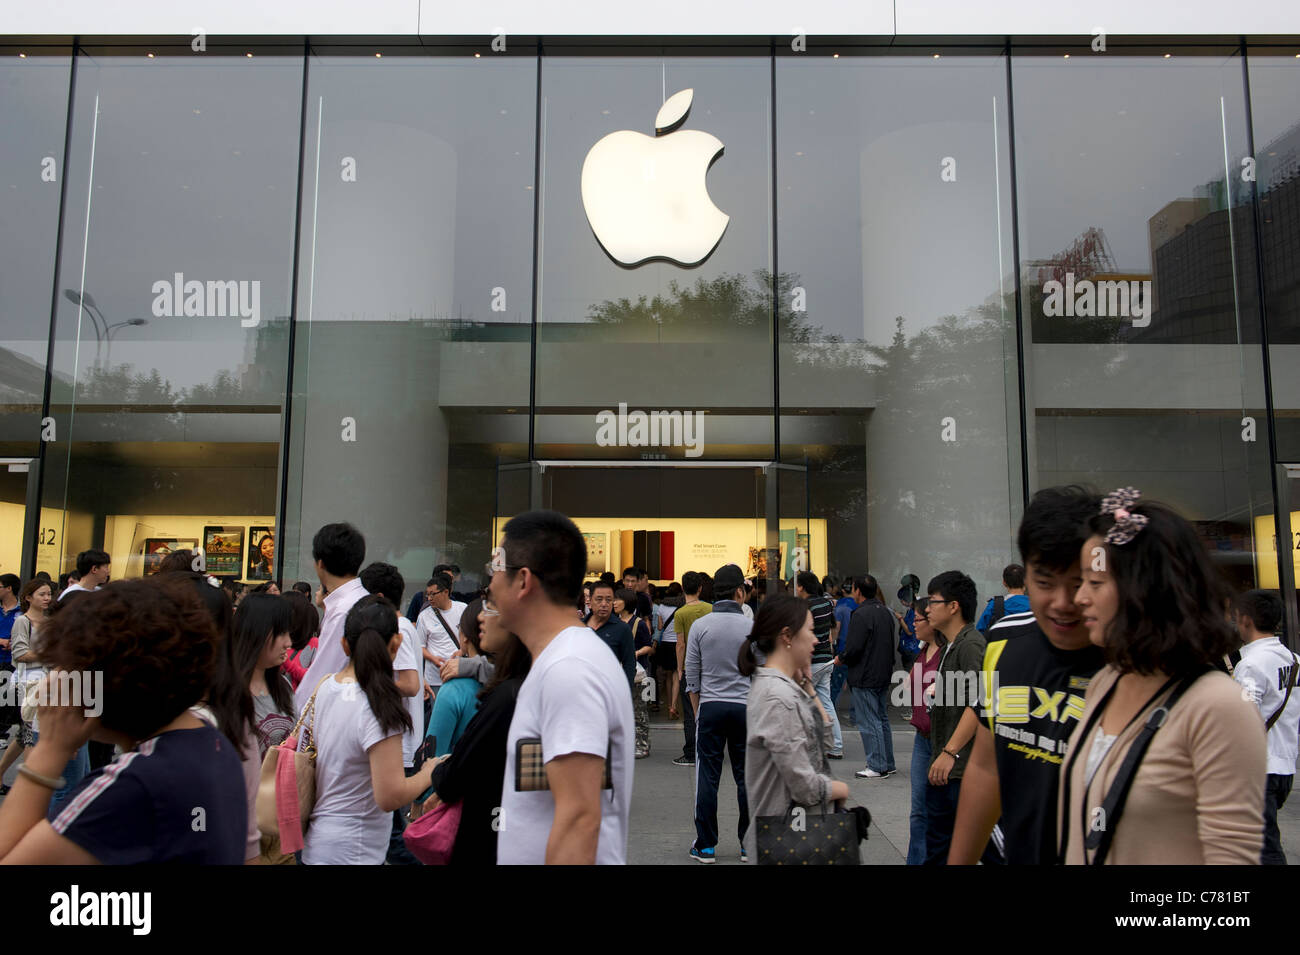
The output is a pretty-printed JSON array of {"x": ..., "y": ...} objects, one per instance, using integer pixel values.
[
  {"x": 499, "y": 565},
  {"x": 937, "y": 600},
  {"x": 489, "y": 609}
]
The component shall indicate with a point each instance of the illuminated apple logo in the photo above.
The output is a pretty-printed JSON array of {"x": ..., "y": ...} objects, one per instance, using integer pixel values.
[{"x": 646, "y": 197}]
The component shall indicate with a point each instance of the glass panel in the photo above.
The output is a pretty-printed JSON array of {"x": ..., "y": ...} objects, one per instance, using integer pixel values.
[
  {"x": 898, "y": 349},
  {"x": 170, "y": 352},
  {"x": 618, "y": 343},
  {"x": 33, "y": 114},
  {"x": 1137, "y": 264},
  {"x": 414, "y": 311}
]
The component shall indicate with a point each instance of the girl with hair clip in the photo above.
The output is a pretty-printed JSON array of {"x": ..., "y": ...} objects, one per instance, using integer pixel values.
[
  {"x": 1167, "y": 763},
  {"x": 357, "y": 729},
  {"x": 788, "y": 734}
]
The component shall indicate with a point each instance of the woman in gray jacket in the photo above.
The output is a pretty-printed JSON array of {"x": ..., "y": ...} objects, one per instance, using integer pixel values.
[{"x": 788, "y": 732}]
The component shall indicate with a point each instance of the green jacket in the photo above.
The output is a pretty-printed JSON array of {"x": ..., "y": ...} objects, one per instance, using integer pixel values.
[{"x": 956, "y": 688}]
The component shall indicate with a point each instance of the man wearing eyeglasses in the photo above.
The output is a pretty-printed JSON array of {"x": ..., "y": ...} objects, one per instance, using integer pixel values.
[
  {"x": 436, "y": 629},
  {"x": 616, "y": 634},
  {"x": 569, "y": 754}
]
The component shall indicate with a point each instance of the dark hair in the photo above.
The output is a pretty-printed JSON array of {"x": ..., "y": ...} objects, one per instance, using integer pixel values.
[
  {"x": 605, "y": 585},
  {"x": 442, "y": 580},
  {"x": 88, "y": 559},
  {"x": 628, "y": 597},
  {"x": 809, "y": 582},
  {"x": 866, "y": 585},
  {"x": 213, "y": 598},
  {"x": 178, "y": 560},
  {"x": 305, "y": 622},
  {"x": 1173, "y": 602},
  {"x": 674, "y": 590},
  {"x": 1263, "y": 607},
  {"x": 340, "y": 548},
  {"x": 607, "y": 576},
  {"x": 370, "y": 624},
  {"x": 152, "y": 639},
  {"x": 510, "y": 663},
  {"x": 830, "y": 584},
  {"x": 12, "y": 581},
  {"x": 1054, "y": 526},
  {"x": 302, "y": 587},
  {"x": 706, "y": 587},
  {"x": 453, "y": 569},
  {"x": 691, "y": 583},
  {"x": 469, "y": 625},
  {"x": 260, "y": 617},
  {"x": 29, "y": 588},
  {"x": 630, "y": 572},
  {"x": 440, "y": 569},
  {"x": 779, "y": 612},
  {"x": 42, "y": 575},
  {"x": 381, "y": 578},
  {"x": 552, "y": 548},
  {"x": 1013, "y": 577},
  {"x": 954, "y": 585}
]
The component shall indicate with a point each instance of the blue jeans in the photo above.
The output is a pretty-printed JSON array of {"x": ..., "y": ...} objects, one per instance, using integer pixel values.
[
  {"x": 821, "y": 677},
  {"x": 718, "y": 726},
  {"x": 941, "y": 815},
  {"x": 839, "y": 676},
  {"x": 78, "y": 768},
  {"x": 920, "y": 772},
  {"x": 871, "y": 712}
]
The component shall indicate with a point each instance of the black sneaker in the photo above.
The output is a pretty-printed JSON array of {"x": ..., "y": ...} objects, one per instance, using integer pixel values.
[{"x": 684, "y": 761}]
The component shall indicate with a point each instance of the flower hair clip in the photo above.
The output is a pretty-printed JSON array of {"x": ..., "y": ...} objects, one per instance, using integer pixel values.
[{"x": 1118, "y": 504}]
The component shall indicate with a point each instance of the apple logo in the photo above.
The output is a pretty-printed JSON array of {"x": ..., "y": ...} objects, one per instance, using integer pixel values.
[{"x": 646, "y": 197}]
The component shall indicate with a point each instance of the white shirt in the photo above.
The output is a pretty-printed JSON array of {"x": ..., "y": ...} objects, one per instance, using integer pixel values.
[
  {"x": 436, "y": 639},
  {"x": 408, "y": 658},
  {"x": 1265, "y": 667},
  {"x": 347, "y": 827},
  {"x": 664, "y": 612},
  {"x": 330, "y": 657},
  {"x": 77, "y": 586},
  {"x": 574, "y": 700}
]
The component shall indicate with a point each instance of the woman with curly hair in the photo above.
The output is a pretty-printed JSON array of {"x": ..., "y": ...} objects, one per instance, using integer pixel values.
[
  {"x": 1167, "y": 763},
  {"x": 176, "y": 792}
]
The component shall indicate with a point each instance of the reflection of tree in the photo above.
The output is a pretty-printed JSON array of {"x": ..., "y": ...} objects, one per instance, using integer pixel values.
[{"x": 121, "y": 384}]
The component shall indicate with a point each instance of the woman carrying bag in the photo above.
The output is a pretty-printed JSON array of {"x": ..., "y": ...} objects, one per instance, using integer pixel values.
[
  {"x": 787, "y": 773},
  {"x": 356, "y": 728}
]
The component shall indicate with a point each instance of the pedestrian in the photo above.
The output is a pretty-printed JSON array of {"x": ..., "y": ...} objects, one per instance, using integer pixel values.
[
  {"x": 1013, "y": 602},
  {"x": 568, "y": 781},
  {"x": 437, "y": 630},
  {"x": 869, "y": 656},
  {"x": 1191, "y": 792},
  {"x": 34, "y": 602},
  {"x": 155, "y": 644},
  {"x": 251, "y": 700},
  {"x": 616, "y": 634},
  {"x": 338, "y": 551},
  {"x": 844, "y": 607},
  {"x": 919, "y": 686},
  {"x": 1042, "y": 655},
  {"x": 665, "y": 656},
  {"x": 808, "y": 588},
  {"x": 693, "y": 608},
  {"x": 357, "y": 729},
  {"x": 458, "y": 701},
  {"x": 950, "y": 607},
  {"x": 303, "y": 635},
  {"x": 718, "y": 692},
  {"x": 788, "y": 733},
  {"x": 1267, "y": 672},
  {"x": 625, "y": 609},
  {"x": 474, "y": 774},
  {"x": 11, "y": 611}
]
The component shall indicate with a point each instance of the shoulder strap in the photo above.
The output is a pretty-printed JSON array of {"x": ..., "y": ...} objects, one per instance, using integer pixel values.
[
  {"x": 451, "y": 633},
  {"x": 999, "y": 610},
  {"x": 1099, "y": 838},
  {"x": 1290, "y": 679},
  {"x": 309, "y": 707}
]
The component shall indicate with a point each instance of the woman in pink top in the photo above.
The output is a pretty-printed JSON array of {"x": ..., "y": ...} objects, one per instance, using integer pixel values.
[
  {"x": 302, "y": 634},
  {"x": 919, "y": 684}
]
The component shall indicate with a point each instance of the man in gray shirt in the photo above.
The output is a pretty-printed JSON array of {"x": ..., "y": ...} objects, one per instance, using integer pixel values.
[{"x": 718, "y": 693}]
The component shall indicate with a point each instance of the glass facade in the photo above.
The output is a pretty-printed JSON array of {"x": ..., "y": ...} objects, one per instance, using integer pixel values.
[{"x": 268, "y": 288}]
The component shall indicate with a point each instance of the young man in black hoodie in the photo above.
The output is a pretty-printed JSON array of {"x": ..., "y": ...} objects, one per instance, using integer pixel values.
[{"x": 869, "y": 657}]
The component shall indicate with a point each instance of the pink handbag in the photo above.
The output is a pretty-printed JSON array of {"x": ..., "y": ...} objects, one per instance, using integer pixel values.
[{"x": 431, "y": 837}]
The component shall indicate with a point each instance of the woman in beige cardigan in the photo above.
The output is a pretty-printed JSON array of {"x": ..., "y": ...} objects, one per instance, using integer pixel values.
[{"x": 1155, "y": 603}]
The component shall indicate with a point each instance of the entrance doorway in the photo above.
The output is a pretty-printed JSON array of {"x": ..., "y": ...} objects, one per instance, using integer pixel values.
[{"x": 669, "y": 517}]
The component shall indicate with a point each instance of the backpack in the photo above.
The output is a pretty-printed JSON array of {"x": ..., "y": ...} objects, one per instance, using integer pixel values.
[{"x": 999, "y": 610}]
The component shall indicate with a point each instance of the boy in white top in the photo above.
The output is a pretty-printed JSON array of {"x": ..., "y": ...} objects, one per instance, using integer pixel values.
[
  {"x": 561, "y": 803},
  {"x": 1267, "y": 673}
]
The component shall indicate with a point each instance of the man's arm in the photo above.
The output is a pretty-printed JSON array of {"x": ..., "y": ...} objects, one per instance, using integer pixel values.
[
  {"x": 575, "y": 786},
  {"x": 692, "y": 683},
  {"x": 943, "y": 762},
  {"x": 408, "y": 682},
  {"x": 980, "y": 804}
]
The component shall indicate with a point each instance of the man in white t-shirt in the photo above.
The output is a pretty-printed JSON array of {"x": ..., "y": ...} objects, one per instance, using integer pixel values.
[
  {"x": 568, "y": 783},
  {"x": 338, "y": 550},
  {"x": 437, "y": 628}
]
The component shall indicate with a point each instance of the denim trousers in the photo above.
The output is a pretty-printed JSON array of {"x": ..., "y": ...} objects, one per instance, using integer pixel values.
[
  {"x": 871, "y": 712},
  {"x": 821, "y": 677},
  {"x": 719, "y": 726},
  {"x": 1276, "y": 791},
  {"x": 839, "y": 676},
  {"x": 920, "y": 773},
  {"x": 940, "y": 817},
  {"x": 78, "y": 768}
]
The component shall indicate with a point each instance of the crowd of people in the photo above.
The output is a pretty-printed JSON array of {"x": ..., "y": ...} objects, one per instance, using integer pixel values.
[{"x": 1118, "y": 703}]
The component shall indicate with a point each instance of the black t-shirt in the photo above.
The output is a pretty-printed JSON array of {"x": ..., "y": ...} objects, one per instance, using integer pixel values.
[
  {"x": 1039, "y": 697},
  {"x": 178, "y": 797},
  {"x": 823, "y": 614}
]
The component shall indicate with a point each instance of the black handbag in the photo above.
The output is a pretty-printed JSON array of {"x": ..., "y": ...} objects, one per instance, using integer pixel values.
[{"x": 802, "y": 838}]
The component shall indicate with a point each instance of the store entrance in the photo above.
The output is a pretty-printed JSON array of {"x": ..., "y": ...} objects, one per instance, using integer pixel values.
[{"x": 671, "y": 517}]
